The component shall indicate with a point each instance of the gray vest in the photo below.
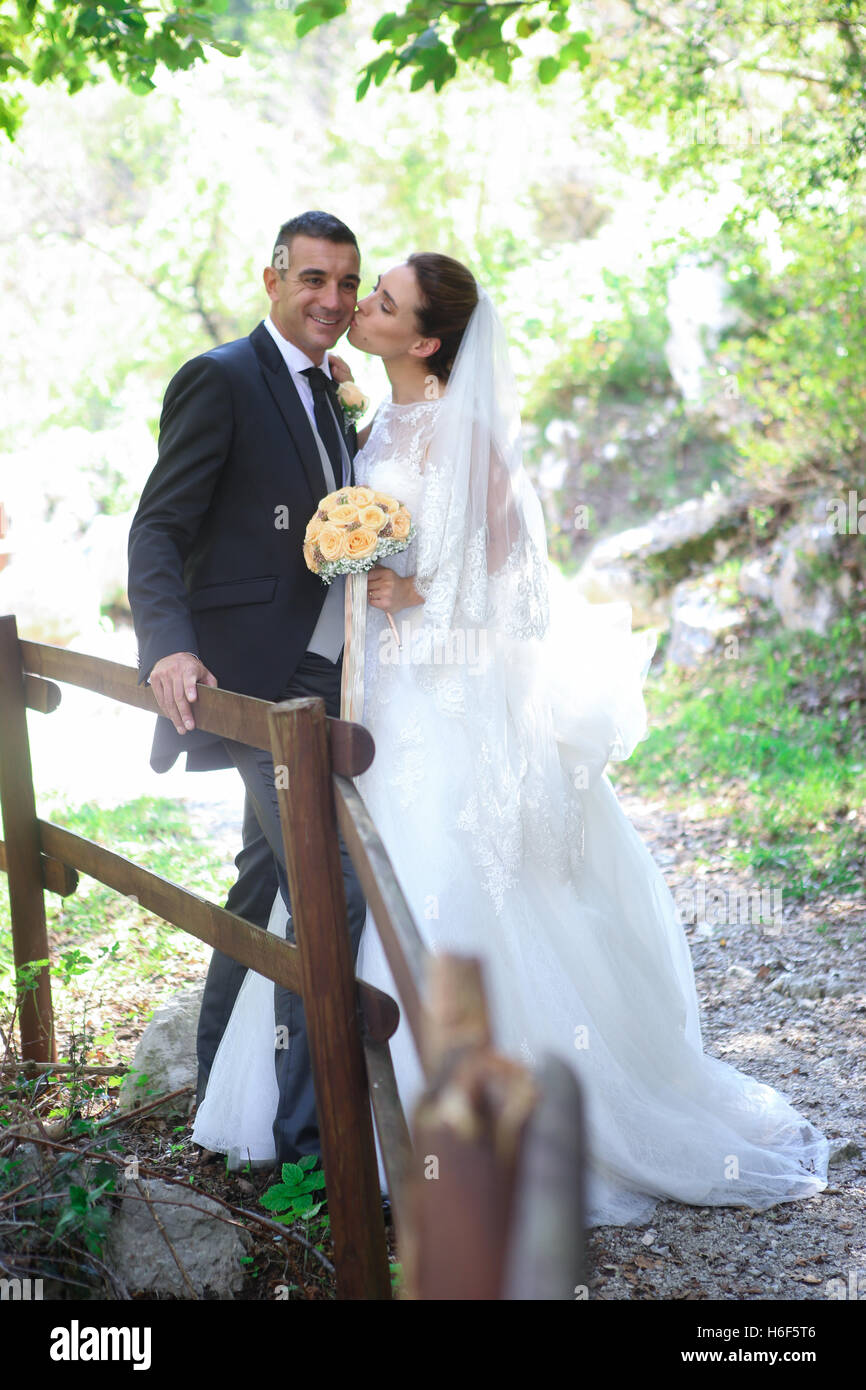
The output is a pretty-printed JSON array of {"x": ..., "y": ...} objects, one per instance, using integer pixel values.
[{"x": 329, "y": 632}]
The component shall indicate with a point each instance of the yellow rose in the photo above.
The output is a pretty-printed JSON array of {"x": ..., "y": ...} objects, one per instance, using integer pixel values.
[
  {"x": 360, "y": 543},
  {"x": 309, "y": 557},
  {"x": 400, "y": 524},
  {"x": 330, "y": 541},
  {"x": 387, "y": 503},
  {"x": 331, "y": 500},
  {"x": 314, "y": 526},
  {"x": 361, "y": 496},
  {"x": 373, "y": 517},
  {"x": 342, "y": 515}
]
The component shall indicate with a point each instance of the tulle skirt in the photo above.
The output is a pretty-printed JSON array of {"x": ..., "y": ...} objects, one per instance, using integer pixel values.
[
  {"x": 604, "y": 979},
  {"x": 588, "y": 961},
  {"x": 237, "y": 1113}
]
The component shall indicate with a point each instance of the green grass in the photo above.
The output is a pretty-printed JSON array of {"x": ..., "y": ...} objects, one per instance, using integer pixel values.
[
  {"x": 774, "y": 740},
  {"x": 112, "y": 961}
]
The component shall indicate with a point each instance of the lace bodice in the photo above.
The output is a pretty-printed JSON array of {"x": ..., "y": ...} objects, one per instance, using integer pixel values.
[{"x": 392, "y": 460}]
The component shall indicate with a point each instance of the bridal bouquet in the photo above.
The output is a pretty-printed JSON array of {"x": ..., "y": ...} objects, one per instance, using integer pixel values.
[{"x": 353, "y": 529}]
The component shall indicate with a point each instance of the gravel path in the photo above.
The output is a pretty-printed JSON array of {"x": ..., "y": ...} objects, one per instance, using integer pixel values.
[{"x": 784, "y": 1002}]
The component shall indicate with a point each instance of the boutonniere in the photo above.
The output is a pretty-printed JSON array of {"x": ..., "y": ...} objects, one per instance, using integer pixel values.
[{"x": 353, "y": 402}]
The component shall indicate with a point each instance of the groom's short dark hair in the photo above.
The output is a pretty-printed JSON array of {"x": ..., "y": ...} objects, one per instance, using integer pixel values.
[{"x": 322, "y": 225}]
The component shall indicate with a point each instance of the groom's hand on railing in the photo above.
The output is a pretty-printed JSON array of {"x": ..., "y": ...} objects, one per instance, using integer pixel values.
[{"x": 173, "y": 680}]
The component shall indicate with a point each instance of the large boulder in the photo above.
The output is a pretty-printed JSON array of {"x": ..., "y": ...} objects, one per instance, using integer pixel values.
[
  {"x": 209, "y": 1248},
  {"x": 165, "y": 1058},
  {"x": 643, "y": 564}
]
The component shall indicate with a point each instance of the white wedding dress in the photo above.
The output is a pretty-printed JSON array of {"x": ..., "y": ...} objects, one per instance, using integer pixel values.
[{"x": 489, "y": 792}]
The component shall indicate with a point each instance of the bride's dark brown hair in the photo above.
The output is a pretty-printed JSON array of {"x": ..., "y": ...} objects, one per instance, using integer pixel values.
[{"x": 448, "y": 295}]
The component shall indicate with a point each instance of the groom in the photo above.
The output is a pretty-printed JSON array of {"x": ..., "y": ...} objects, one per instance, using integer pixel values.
[{"x": 251, "y": 437}]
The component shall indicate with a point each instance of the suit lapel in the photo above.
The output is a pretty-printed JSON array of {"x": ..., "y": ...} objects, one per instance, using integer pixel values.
[{"x": 282, "y": 388}]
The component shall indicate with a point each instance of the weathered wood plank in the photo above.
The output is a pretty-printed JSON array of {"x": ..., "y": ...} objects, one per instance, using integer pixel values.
[
  {"x": 223, "y": 712},
  {"x": 309, "y": 828},
  {"x": 56, "y": 877},
  {"x": 394, "y": 1138},
  {"x": 41, "y": 695},
  {"x": 260, "y": 950},
  {"x": 546, "y": 1259},
  {"x": 404, "y": 947},
  {"x": 23, "y": 851}
]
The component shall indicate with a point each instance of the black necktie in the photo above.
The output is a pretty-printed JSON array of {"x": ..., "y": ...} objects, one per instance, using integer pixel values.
[{"x": 325, "y": 422}]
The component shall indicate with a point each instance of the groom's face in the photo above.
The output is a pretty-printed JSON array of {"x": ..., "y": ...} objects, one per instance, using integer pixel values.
[{"x": 313, "y": 300}]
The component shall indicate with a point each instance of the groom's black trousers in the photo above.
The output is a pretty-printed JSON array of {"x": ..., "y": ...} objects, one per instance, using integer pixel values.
[{"x": 261, "y": 868}]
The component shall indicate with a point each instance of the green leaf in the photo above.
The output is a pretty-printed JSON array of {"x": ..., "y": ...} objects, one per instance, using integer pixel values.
[
  {"x": 385, "y": 26},
  {"x": 548, "y": 69},
  {"x": 308, "y": 1161},
  {"x": 292, "y": 1173},
  {"x": 576, "y": 50},
  {"x": 313, "y": 1183},
  {"x": 278, "y": 1198}
]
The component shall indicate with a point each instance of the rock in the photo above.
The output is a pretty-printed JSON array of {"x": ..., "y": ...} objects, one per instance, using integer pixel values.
[
  {"x": 701, "y": 621},
  {"x": 209, "y": 1249},
  {"x": 843, "y": 1151},
  {"x": 642, "y": 564},
  {"x": 166, "y": 1057},
  {"x": 810, "y": 587},
  {"x": 808, "y": 987},
  {"x": 755, "y": 580},
  {"x": 741, "y": 974}
]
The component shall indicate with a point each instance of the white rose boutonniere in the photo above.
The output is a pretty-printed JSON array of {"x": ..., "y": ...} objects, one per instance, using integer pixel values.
[{"x": 352, "y": 400}]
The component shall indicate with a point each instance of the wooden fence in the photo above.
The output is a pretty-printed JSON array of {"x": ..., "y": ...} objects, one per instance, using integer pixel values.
[{"x": 488, "y": 1204}]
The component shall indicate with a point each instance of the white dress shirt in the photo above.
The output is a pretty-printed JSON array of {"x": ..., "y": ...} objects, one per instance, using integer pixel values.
[
  {"x": 297, "y": 362},
  {"x": 327, "y": 638}
]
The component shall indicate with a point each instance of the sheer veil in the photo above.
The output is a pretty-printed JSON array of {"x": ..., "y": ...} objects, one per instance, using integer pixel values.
[{"x": 550, "y": 686}]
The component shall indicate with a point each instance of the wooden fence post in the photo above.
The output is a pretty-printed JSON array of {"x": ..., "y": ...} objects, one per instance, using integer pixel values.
[
  {"x": 23, "y": 851},
  {"x": 546, "y": 1257},
  {"x": 469, "y": 1127},
  {"x": 308, "y": 816}
]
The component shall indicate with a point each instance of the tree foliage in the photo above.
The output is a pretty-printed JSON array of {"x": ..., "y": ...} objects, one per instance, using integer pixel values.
[
  {"x": 432, "y": 38},
  {"x": 789, "y": 72},
  {"x": 54, "y": 40}
]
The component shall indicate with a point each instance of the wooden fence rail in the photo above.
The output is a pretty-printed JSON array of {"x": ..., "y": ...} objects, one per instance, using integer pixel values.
[{"x": 348, "y": 1021}]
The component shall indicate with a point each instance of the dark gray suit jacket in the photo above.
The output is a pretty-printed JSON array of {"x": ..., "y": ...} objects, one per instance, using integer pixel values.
[{"x": 212, "y": 569}]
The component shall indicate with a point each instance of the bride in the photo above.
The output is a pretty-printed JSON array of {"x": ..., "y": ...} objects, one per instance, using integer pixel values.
[{"x": 494, "y": 721}]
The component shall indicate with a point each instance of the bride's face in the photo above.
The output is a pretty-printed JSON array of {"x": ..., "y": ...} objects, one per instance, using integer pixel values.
[{"x": 385, "y": 323}]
